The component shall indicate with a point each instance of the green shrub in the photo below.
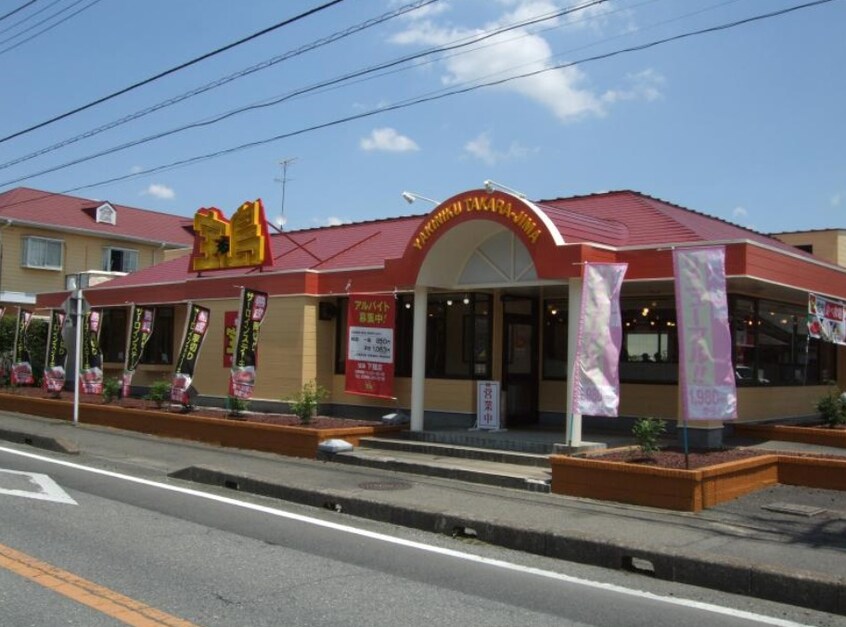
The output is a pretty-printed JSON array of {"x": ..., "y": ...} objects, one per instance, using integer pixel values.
[
  {"x": 237, "y": 406},
  {"x": 111, "y": 389},
  {"x": 832, "y": 408},
  {"x": 646, "y": 432},
  {"x": 159, "y": 393},
  {"x": 305, "y": 404}
]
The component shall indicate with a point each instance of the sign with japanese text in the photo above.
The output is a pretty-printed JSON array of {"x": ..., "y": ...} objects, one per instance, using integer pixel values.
[
  {"x": 826, "y": 319},
  {"x": 706, "y": 373},
  {"x": 370, "y": 346},
  {"x": 220, "y": 244},
  {"x": 183, "y": 375},
  {"x": 141, "y": 321},
  {"x": 54, "y": 360},
  {"x": 91, "y": 362},
  {"x": 21, "y": 365},
  {"x": 487, "y": 405},
  {"x": 242, "y": 377}
]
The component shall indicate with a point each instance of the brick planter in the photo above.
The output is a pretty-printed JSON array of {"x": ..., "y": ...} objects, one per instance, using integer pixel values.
[
  {"x": 821, "y": 436},
  {"x": 690, "y": 490},
  {"x": 284, "y": 440}
]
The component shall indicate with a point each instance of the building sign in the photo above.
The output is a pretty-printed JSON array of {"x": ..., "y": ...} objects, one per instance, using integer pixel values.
[
  {"x": 487, "y": 405},
  {"x": 242, "y": 378},
  {"x": 91, "y": 362},
  {"x": 220, "y": 244},
  {"x": 826, "y": 319},
  {"x": 596, "y": 376},
  {"x": 54, "y": 360},
  {"x": 21, "y": 366},
  {"x": 192, "y": 342},
  {"x": 706, "y": 374},
  {"x": 370, "y": 346},
  {"x": 140, "y": 329},
  {"x": 497, "y": 206}
]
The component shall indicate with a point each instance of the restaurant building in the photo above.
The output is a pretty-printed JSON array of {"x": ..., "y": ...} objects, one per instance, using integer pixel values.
[{"x": 487, "y": 287}]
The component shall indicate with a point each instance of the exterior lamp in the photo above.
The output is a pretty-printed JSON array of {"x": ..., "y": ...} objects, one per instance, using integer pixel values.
[
  {"x": 410, "y": 197},
  {"x": 492, "y": 185}
]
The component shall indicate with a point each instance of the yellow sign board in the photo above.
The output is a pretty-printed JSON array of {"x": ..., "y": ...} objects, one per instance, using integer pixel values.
[{"x": 220, "y": 244}]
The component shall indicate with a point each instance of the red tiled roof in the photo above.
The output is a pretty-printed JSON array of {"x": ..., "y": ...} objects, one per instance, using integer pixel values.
[{"x": 63, "y": 212}]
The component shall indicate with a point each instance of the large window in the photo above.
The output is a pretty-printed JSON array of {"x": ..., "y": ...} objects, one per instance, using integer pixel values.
[
  {"x": 113, "y": 331},
  {"x": 120, "y": 260},
  {"x": 159, "y": 349},
  {"x": 41, "y": 252},
  {"x": 650, "y": 351},
  {"x": 555, "y": 339}
]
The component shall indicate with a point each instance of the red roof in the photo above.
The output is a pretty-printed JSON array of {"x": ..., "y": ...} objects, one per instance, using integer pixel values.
[{"x": 58, "y": 211}]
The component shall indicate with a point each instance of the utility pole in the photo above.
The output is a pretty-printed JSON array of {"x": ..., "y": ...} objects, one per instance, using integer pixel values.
[{"x": 284, "y": 181}]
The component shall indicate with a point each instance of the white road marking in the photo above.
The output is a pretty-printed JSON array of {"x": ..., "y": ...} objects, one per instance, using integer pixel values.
[
  {"x": 40, "y": 486},
  {"x": 373, "y": 535}
]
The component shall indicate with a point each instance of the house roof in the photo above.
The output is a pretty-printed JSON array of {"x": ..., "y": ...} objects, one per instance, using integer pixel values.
[
  {"x": 70, "y": 213},
  {"x": 618, "y": 219}
]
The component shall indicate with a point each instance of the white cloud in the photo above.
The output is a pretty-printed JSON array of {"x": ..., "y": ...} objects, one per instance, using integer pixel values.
[
  {"x": 135, "y": 169},
  {"x": 388, "y": 140},
  {"x": 837, "y": 199},
  {"x": 481, "y": 147},
  {"x": 739, "y": 213},
  {"x": 643, "y": 85},
  {"x": 330, "y": 221},
  {"x": 159, "y": 191}
]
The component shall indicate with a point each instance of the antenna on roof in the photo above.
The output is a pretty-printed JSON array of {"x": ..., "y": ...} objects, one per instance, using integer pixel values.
[{"x": 280, "y": 220}]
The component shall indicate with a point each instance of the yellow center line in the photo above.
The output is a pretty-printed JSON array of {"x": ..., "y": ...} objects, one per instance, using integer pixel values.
[{"x": 88, "y": 593}]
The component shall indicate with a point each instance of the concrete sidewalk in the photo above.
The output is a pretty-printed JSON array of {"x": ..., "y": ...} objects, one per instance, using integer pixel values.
[{"x": 784, "y": 544}]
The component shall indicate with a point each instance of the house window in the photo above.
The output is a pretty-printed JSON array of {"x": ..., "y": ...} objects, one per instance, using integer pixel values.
[
  {"x": 113, "y": 334},
  {"x": 159, "y": 349},
  {"x": 106, "y": 214},
  {"x": 41, "y": 252},
  {"x": 120, "y": 260}
]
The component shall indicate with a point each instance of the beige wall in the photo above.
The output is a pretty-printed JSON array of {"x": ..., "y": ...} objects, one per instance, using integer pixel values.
[{"x": 828, "y": 245}]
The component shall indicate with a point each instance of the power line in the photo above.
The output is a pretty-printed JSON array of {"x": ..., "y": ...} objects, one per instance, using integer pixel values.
[
  {"x": 50, "y": 27},
  {"x": 475, "y": 39},
  {"x": 29, "y": 17},
  {"x": 223, "y": 81},
  {"x": 172, "y": 70},
  {"x": 13, "y": 11}
]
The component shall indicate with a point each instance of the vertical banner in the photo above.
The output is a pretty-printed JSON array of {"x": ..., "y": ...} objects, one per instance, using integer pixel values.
[
  {"x": 21, "y": 366},
  {"x": 91, "y": 363},
  {"x": 370, "y": 347},
  {"x": 242, "y": 378},
  {"x": 487, "y": 405},
  {"x": 826, "y": 319},
  {"x": 596, "y": 372},
  {"x": 195, "y": 332},
  {"x": 706, "y": 374},
  {"x": 141, "y": 321},
  {"x": 3, "y": 354},
  {"x": 54, "y": 360}
]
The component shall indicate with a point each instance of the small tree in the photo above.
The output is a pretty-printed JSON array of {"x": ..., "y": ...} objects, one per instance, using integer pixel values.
[
  {"x": 111, "y": 389},
  {"x": 832, "y": 408},
  {"x": 646, "y": 432},
  {"x": 237, "y": 406},
  {"x": 159, "y": 393},
  {"x": 305, "y": 403}
]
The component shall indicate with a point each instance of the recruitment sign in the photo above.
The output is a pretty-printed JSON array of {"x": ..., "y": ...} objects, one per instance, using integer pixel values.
[
  {"x": 54, "y": 361},
  {"x": 140, "y": 329},
  {"x": 195, "y": 332},
  {"x": 370, "y": 346},
  {"x": 242, "y": 379}
]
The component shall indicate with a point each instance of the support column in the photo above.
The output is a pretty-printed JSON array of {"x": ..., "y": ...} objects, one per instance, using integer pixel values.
[
  {"x": 574, "y": 308},
  {"x": 418, "y": 356}
]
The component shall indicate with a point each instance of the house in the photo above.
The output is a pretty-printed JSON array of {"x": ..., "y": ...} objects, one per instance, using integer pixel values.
[
  {"x": 487, "y": 288},
  {"x": 47, "y": 239}
]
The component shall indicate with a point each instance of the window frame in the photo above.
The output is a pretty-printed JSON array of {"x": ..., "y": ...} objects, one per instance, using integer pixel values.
[
  {"x": 106, "y": 264},
  {"x": 25, "y": 252}
]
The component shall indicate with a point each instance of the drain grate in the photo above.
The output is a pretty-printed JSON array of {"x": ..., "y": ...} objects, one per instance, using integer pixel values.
[
  {"x": 793, "y": 508},
  {"x": 385, "y": 485}
]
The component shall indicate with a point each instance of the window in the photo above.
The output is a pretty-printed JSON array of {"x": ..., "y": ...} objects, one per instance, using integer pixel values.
[
  {"x": 341, "y": 336},
  {"x": 555, "y": 339},
  {"x": 113, "y": 331},
  {"x": 159, "y": 349},
  {"x": 40, "y": 252},
  {"x": 650, "y": 350},
  {"x": 120, "y": 260}
]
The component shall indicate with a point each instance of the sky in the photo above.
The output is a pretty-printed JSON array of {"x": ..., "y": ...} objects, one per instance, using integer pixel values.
[{"x": 348, "y": 105}]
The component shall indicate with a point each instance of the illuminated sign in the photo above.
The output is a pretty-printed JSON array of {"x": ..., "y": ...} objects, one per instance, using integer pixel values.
[{"x": 220, "y": 244}]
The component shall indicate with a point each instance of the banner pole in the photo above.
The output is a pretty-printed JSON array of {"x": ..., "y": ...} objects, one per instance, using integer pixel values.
[{"x": 686, "y": 451}]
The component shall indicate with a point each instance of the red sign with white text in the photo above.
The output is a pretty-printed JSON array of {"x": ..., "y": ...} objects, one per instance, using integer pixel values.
[{"x": 370, "y": 345}]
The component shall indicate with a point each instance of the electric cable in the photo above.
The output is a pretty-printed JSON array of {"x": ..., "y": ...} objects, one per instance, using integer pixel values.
[
  {"x": 29, "y": 17},
  {"x": 13, "y": 11},
  {"x": 51, "y": 26}
]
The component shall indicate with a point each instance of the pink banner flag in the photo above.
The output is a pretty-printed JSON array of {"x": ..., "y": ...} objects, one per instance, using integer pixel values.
[
  {"x": 596, "y": 372},
  {"x": 706, "y": 375}
]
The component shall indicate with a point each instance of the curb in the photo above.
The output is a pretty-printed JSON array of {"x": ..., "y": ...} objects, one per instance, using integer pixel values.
[
  {"x": 813, "y": 590},
  {"x": 57, "y": 445}
]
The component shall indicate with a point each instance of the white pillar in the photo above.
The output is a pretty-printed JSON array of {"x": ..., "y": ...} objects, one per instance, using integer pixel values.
[
  {"x": 574, "y": 421},
  {"x": 418, "y": 356}
]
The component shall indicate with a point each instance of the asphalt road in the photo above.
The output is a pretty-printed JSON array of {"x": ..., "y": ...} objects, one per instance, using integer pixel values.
[{"x": 167, "y": 552}]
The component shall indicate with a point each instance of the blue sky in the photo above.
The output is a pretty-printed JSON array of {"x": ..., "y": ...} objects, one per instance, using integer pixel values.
[{"x": 745, "y": 124}]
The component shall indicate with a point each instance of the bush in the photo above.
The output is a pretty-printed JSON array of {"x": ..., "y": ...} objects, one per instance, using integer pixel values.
[
  {"x": 111, "y": 389},
  {"x": 237, "y": 406},
  {"x": 305, "y": 404},
  {"x": 159, "y": 393},
  {"x": 647, "y": 431},
  {"x": 832, "y": 408}
]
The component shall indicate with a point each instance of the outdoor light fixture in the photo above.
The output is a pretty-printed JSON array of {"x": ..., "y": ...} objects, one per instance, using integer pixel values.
[
  {"x": 466, "y": 300},
  {"x": 492, "y": 185},
  {"x": 449, "y": 302},
  {"x": 410, "y": 197}
]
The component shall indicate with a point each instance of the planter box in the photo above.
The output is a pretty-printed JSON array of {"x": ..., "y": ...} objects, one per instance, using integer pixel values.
[
  {"x": 284, "y": 440},
  {"x": 690, "y": 490},
  {"x": 820, "y": 436}
]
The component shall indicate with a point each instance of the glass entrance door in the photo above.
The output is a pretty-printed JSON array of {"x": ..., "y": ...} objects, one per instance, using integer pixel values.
[{"x": 519, "y": 369}]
